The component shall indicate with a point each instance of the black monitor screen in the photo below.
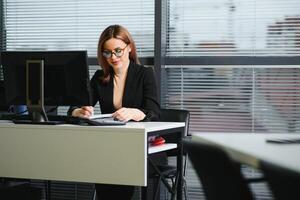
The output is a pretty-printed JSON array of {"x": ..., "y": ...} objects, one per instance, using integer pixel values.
[
  {"x": 66, "y": 77},
  {"x": 3, "y": 106}
]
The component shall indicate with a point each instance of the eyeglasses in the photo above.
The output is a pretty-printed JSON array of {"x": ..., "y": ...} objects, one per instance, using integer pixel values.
[{"x": 117, "y": 51}]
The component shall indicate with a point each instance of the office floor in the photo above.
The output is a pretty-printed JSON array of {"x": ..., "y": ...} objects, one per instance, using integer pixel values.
[
  {"x": 84, "y": 191},
  {"x": 195, "y": 192}
]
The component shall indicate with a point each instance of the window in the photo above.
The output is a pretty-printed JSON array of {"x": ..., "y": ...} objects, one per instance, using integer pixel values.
[
  {"x": 236, "y": 98},
  {"x": 235, "y": 65},
  {"x": 233, "y": 28},
  {"x": 75, "y": 24},
  {"x": 229, "y": 61}
]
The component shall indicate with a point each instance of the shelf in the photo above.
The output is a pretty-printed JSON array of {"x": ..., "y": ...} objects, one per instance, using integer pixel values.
[{"x": 163, "y": 147}]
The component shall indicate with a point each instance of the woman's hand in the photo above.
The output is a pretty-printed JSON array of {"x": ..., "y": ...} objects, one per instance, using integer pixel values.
[
  {"x": 126, "y": 114},
  {"x": 83, "y": 112}
]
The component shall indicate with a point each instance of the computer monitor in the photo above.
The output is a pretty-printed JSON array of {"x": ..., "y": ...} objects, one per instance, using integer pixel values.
[
  {"x": 3, "y": 105},
  {"x": 51, "y": 78}
]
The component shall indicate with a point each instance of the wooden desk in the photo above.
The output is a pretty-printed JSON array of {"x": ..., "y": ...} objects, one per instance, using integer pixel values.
[
  {"x": 109, "y": 155},
  {"x": 250, "y": 148}
]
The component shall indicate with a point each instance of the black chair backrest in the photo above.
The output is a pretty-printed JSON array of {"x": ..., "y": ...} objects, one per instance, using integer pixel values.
[
  {"x": 176, "y": 115},
  {"x": 221, "y": 178},
  {"x": 284, "y": 183}
]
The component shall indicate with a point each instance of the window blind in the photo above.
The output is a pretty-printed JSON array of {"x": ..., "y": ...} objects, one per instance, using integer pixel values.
[
  {"x": 75, "y": 24},
  {"x": 233, "y": 97},
  {"x": 233, "y": 27},
  {"x": 236, "y": 97}
]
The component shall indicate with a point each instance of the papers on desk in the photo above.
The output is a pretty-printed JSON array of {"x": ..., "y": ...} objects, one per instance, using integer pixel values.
[
  {"x": 100, "y": 116},
  {"x": 104, "y": 120}
]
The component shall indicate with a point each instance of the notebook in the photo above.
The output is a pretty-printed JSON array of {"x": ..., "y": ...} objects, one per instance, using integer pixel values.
[{"x": 99, "y": 116}]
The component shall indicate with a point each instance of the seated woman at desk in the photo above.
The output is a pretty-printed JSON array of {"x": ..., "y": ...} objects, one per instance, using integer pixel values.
[{"x": 123, "y": 87}]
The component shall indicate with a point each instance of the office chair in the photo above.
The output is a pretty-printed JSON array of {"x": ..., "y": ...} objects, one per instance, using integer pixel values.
[
  {"x": 18, "y": 189},
  {"x": 284, "y": 183},
  {"x": 169, "y": 172},
  {"x": 221, "y": 178}
]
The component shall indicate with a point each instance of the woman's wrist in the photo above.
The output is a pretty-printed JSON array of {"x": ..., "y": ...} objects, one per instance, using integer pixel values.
[{"x": 138, "y": 115}]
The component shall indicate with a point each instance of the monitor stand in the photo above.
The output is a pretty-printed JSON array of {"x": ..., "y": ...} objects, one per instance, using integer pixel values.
[
  {"x": 38, "y": 116},
  {"x": 18, "y": 121},
  {"x": 35, "y": 94}
]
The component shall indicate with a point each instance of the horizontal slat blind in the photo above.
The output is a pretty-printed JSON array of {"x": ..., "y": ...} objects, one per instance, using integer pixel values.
[
  {"x": 236, "y": 98},
  {"x": 233, "y": 98},
  {"x": 233, "y": 27},
  {"x": 76, "y": 24}
]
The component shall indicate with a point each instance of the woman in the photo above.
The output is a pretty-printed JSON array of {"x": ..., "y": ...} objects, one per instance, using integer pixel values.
[{"x": 123, "y": 87}]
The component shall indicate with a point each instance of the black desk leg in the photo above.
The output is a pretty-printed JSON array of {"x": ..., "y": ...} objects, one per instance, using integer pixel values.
[
  {"x": 144, "y": 193},
  {"x": 180, "y": 164},
  {"x": 48, "y": 190}
]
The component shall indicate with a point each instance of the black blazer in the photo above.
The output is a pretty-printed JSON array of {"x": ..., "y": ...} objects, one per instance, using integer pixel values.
[{"x": 140, "y": 91}]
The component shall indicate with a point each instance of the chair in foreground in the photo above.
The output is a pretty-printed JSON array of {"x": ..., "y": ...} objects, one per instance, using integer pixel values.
[
  {"x": 221, "y": 177},
  {"x": 169, "y": 172},
  {"x": 18, "y": 189},
  {"x": 284, "y": 183}
]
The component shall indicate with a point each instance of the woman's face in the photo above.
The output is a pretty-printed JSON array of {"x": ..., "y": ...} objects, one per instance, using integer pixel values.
[{"x": 116, "y": 52}]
